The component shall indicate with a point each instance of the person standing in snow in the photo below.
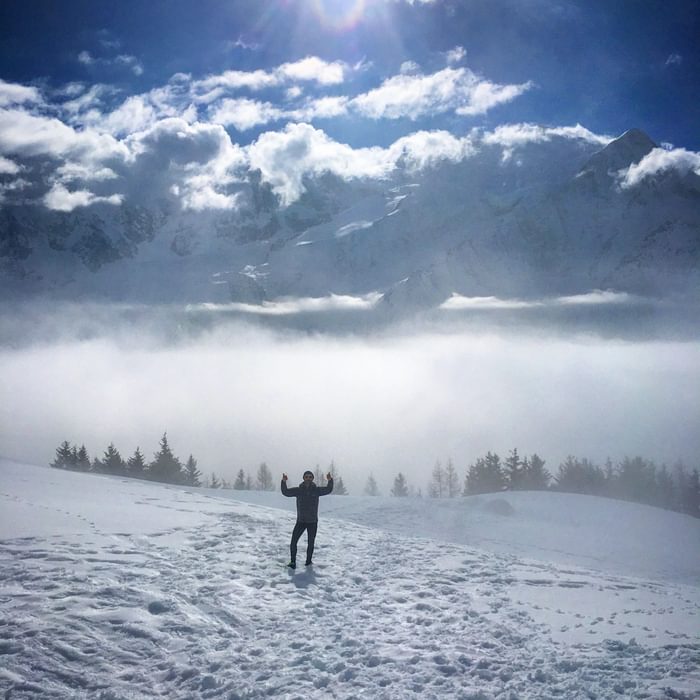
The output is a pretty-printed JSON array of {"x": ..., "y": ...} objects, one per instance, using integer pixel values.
[{"x": 307, "y": 495}]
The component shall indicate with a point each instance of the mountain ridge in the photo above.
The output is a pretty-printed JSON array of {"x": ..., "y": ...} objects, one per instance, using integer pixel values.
[{"x": 533, "y": 219}]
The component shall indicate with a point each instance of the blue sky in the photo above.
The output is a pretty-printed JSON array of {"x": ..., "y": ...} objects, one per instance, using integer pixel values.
[{"x": 112, "y": 78}]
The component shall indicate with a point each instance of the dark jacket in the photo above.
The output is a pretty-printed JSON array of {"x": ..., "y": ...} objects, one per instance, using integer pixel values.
[{"x": 307, "y": 499}]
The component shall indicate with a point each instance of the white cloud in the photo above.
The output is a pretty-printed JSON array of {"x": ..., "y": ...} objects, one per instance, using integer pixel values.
[
  {"x": 675, "y": 59},
  {"x": 69, "y": 172},
  {"x": 313, "y": 69},
  {"x": 285, "y": 157},
  {"x": 660, "y": 160},
  {"x": 288, "y": 306},
  {"x": 15, "y": 94},
  {"x": 86, "y": 58},
  {"x": 597, "y": 297},
  {"x": 451, "y": 89},
  {"x": 8, "y": 167},
  {"x": 425, "y": 148},
  {"x": 131, "y": 62},
  {"x": 60, "y": 199},
  {"x": 30, "y": 135},
  {"x": 485, "y": 95},
  {"x": 512, "y": 135},
  {"x": 457, "y": 302},
  {"x": 456, "y": 55},
  {"x": 408, "y": 67},
  {"x": 244, "y": 114}
]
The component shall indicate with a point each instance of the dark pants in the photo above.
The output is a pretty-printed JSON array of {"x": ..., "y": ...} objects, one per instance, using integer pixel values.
[{"x": 296, "y": 534}]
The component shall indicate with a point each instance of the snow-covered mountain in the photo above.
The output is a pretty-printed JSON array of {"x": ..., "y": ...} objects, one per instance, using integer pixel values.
[
  {"x": 541, "y": 218},
  {"x": 114, "y": 588}
]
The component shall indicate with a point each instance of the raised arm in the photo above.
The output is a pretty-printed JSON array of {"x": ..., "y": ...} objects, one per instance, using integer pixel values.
[
  {"x": 288, "y": 492},
  {"x": 328, "y": 488}
]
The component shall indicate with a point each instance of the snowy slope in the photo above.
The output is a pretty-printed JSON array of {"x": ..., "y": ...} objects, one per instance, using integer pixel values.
[{"x": 118, "y": 589}]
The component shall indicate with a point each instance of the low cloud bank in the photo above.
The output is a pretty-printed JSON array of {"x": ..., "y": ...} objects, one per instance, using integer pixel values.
[{"x": 236, "y": 394}]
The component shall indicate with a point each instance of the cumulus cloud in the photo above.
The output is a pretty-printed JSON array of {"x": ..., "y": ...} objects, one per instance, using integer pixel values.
[
  {"x": 14, "y": 94},
  {"x": 657, "y": 161},
  {"x": 30, "y": 135},
  {"x": 8, "y": 167},
  {"x": 285, "y": 157},
  {"x": 60, "y": 199},
  {"x": 426, "y": 148},
  {"x": 243, "y": 113},
  {"x": 196, "y": 162},
  {"x": 451, "y": 89},
  {"x": 313, "y": 69}
]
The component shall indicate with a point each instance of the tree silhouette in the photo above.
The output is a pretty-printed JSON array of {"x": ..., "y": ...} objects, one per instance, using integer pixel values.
[
  {"x": 371, "y": 488},
  {"x": 136, "y": 465},
  {"x": 165, "y": 465},
  {"x": 484, "y": 476},
  {"x": 400, "y": 488},
  {"x": 192, "y": 474}
]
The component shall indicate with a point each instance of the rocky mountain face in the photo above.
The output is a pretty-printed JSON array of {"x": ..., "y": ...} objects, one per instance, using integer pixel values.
[{"x": 546, "y": 218}]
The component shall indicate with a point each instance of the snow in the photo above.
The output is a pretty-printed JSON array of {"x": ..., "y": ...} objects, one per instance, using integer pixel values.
[{"x": 113, "y": 588}]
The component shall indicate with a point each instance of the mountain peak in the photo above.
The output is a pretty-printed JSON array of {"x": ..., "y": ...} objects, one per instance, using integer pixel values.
[{"x": 621, "y": 152}]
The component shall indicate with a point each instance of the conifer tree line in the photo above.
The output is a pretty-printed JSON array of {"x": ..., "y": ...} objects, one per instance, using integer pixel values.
[
  {"x": 633, "y": 479},
  {"x": 167, "y": 468},
  {"x": 165, "y": 465}
]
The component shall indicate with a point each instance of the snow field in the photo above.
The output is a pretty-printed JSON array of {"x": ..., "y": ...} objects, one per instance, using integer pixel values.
[{"x": 202, "y": 606}]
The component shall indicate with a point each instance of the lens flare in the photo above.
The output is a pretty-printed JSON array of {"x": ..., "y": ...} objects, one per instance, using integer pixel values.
[{"x": 340, "y": 15}]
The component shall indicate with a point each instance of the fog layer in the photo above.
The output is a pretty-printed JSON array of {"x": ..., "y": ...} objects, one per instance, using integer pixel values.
[{"x": 234, "y": 395}]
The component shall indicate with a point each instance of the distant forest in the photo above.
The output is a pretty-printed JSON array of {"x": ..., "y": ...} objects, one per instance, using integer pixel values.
[{"x": 633, "y": 479}]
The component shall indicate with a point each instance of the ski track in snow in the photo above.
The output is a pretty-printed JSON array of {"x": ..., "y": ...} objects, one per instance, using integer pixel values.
[{"x": 211, "y": 611}]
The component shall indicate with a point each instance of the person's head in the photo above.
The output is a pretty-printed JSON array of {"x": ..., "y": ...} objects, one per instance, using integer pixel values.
[{"x": 308, "y": 477}]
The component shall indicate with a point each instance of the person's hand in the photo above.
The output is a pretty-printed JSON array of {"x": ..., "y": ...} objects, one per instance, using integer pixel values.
[
  {"x": 284, "y": 477},
  {"x": 329, "y": 476}
]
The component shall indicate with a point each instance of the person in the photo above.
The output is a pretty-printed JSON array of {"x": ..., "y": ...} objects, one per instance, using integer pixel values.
[{"x": 307, "y": 495}]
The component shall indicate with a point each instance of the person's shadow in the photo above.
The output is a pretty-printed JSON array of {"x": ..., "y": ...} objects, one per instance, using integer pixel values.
[{"x": 303, "y": 578}]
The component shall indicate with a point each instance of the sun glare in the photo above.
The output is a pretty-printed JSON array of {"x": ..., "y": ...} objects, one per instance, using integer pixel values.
[{"x": 339, "y": 14}]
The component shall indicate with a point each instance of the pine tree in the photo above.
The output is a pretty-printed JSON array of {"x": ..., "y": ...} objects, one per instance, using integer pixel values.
[
  {"x": 136, "y": 465},
  {"x": 451, "y": 480},
  {"x": 165, "y": 466},
  {"x": 581, "y": 476},
  {"x": 83, "y": 462},
  {"x": 400, "y": 488},
  {"x": 371, "y": 488},
  {"x": 535, "y": 476},
  {"x": 240, "y": 483},
  {"x": 264, "y": 478},
  {"x": 484, "y": 476},
  {"x": 192, "y": 474},
  {"x": 338, "y": 485},
  {"x": 665, "y": 496},
  {"x": 214, "y": 483},
  {"x": 437, "y": 486},
  {"x": 248, "y": 482},
  {"x": 691, "y": 495},
  {"x": 112, "y": 462},
  {"x": 63, "y": 456},
  {"x": 513, "y": 471},
  {"x": 636, "y": 480}
]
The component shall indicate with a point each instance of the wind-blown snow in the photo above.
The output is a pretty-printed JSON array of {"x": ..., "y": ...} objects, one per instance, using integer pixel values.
[{"x": 116, "y": 588}]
